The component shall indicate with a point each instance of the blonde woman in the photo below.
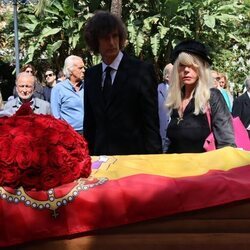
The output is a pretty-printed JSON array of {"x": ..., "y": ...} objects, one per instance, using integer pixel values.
[{"x": 190, "y": 94}]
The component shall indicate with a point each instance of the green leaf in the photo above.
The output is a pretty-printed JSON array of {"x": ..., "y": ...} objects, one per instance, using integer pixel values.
[
  {"x": 58, "y": 5},
  {"x": 55, "y": 46},
  {"x": 225, "y": 17},
  {"x": 155, "y": 44},
  {"x": 209, "y": 21},
  {"x": 139, "y": 43},
  {"x": 163, "y": 31},
  {"x": 30, "y": 26},
  {"x": 75, "y": 40},
  {"x": 80, "y": 24},
  {"x": 47, "y": 31},
  {"x": 53, "y": 12}
]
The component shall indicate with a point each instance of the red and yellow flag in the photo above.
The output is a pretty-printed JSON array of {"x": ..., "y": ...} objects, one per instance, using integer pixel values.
[{"x": 123, "y": 190}]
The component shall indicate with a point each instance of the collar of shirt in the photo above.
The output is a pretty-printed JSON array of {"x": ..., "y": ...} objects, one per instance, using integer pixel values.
[
  {"x": 70, "y": 85},
  {"x": 32, "y": 103},
  {"x": 20, "y": 102},
  {"x": 248, "y": 93},
  {"x": 114, "y": 65}
]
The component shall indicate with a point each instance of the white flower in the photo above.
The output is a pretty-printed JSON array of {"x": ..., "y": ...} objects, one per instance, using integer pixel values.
[
  {"x": 235, "y": 47},
  {"x": 241, "y": 60},
  {"x": 241, "y": 17}
]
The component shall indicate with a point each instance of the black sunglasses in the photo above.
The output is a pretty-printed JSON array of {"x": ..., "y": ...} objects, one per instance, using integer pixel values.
[{"x": 49, "y": 75}]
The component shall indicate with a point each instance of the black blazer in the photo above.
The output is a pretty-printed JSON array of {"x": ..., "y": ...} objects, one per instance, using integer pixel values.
[
  {"x": 129, "y": 122},
  {"x": 241, "y": 108}
]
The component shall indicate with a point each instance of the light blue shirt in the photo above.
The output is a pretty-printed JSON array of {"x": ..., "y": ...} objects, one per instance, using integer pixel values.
[
  {"x": 226, "y": 97},
  {"x": 67, "y": 104}
]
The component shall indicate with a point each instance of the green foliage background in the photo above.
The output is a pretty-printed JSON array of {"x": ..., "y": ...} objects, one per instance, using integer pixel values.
[{"x": 154, "y": 28}]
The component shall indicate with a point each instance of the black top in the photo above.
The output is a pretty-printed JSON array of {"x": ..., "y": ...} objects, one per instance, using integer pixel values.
[
  {"x": 189, "y": 134},
  {"x": 47, "y": 93}
]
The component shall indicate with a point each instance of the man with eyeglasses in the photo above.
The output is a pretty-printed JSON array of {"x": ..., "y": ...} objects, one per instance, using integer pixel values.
[
  {"x": 25, "y": 86},
  {"x": 50, "y": 79}
]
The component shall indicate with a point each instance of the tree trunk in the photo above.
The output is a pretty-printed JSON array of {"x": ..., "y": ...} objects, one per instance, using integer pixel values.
[{"x": 116, "y": 7}]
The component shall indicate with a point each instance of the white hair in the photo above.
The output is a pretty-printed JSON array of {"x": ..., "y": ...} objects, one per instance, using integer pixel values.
[
  {"x": 247, "y": 83},
  {"x": 167, "y": 71},
  {"x": 22, "y": 74},
  {"x": 202, "y": 89},
  {"x": 69, "y": 63}
]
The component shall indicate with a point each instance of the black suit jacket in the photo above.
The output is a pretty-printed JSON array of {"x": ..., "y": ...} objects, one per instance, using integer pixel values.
[
  {"x": 241, "y": 108},
  {"x": 128, "y": 123}
]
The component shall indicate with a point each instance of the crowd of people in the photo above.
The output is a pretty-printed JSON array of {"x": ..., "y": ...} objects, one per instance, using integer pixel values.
[{"x": 118, "y": 105}]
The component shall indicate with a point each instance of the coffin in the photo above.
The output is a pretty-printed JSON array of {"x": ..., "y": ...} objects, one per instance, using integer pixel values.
[{"x": 179, "y": 201}]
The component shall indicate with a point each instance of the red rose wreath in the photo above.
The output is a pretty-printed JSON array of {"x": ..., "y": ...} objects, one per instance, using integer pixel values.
[{"x": 41, "y": 152}]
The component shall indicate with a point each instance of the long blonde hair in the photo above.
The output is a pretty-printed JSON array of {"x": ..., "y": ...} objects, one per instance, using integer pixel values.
[{"x": 203, "y": 85}]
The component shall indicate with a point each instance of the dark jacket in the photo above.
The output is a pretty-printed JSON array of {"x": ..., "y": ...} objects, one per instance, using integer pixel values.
[
  {"x": 221, "y": 119},
  {"x": 241, "y": 108},
  {"x": 129, "y": 122}
]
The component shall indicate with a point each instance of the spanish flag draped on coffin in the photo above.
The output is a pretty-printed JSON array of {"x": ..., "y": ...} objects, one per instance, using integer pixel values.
[{"x": 123, "y": 190}]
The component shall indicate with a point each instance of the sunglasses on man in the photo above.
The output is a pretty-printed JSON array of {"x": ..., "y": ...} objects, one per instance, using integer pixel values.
[{"x": 49, "y": 75}]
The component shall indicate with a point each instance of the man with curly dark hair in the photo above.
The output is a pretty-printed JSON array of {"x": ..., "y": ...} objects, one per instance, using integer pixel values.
[{"x": 120, "y": 95}]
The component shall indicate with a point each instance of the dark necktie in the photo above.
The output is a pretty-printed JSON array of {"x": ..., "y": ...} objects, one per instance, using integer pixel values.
[{"x": 107, "y": 85}]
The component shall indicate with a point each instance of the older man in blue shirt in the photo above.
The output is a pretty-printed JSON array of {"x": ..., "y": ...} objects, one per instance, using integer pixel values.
[{"x": 67, "y": 96}]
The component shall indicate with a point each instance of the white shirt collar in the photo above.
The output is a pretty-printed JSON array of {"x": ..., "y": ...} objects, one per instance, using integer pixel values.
[{"x": 115, "y": 64}]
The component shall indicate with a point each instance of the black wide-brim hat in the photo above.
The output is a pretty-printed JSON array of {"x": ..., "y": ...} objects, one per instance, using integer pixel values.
[{"x": 192, "y": 47}]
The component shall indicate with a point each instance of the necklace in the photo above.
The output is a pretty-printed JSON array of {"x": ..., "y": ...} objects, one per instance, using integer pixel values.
[
  {"x": 183, "y": 106},
  {"x": 179, "y": 119}
]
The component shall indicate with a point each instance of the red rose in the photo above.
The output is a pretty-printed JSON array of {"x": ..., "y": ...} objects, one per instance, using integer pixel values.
[
  {"x": 3, "y": 120},
  {"x": 52, "y": 136},
  {"x": 39, "y": 132},
  {"x": 85, "y": 171},
  {"x": 61, "y": 155},
  {"x": 7, "y": 154},
  {"x": 11, "y": 176},
  {"x": 68, "y": 140},
  {"x": 78, "y": 153},
  {"x": 5, "y": 130},
  {"x": 1, "y": 176},
  {"x": 31, "y": 178},
  {"x": 22, "y": 142},
  {"x": 24, "y": 157},
  {"x": 23, "y": 122},
  {"x": 49, "y": 178},
  {"x": 62, "y": 126},
  {"x": 67, "y": 175},
  {"x": 9, "y": 121},
  {"x": 43, "y": 122},
  {"x": 40, "y": 157}
]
